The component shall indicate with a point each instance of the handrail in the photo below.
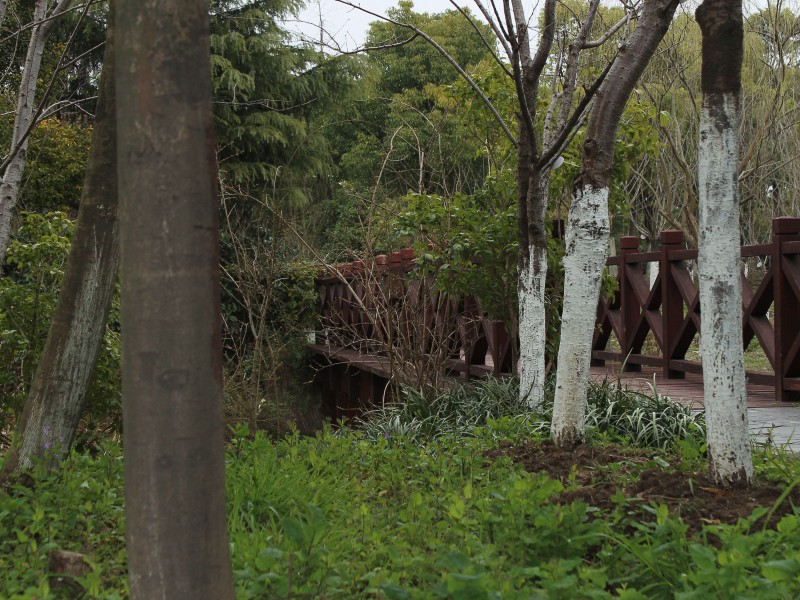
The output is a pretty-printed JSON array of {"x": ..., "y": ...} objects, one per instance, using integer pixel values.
[
  {"x": 371, "y": 308},
  {"x": 670, "y": 309},
  {"x": 417, "y": 333}
]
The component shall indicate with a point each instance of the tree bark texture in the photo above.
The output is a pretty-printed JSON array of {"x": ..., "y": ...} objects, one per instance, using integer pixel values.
[
  {"x": 58, "y": 392},
  {"x": 532, "y": 204},
  {"x": 588, "y": 224},
  {"x": 172, "y": 360},
  {"x": 721, "y": 347},
  {"x": 23, "y": 119}
]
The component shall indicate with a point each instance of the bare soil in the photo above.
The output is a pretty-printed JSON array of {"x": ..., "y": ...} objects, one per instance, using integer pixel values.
[{"x": 595, "y": 474}]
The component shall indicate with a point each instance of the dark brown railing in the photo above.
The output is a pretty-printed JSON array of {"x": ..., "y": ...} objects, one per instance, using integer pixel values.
[
  {"x": 388, "y": 327},
  {"x": 380, "y": 328},
  {"x": 372, "y": 309},
  {"x": 670, "y": 309}
]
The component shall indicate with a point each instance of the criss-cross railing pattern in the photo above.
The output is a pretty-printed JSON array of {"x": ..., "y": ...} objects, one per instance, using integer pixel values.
[{"x": 670, "y": 309}]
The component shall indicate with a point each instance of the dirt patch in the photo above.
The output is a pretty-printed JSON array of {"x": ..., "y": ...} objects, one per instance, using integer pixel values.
[{"x": 597, "y": 475}]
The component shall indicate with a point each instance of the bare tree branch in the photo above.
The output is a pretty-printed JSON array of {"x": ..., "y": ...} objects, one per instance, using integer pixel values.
[
  {"x": 19, "y": 143},
  {"x": 614, "y": 29},
  {"x": 486, "y": 43},
  {"x": 497, "y": 27},
  {"x": 577, "y": 115}
]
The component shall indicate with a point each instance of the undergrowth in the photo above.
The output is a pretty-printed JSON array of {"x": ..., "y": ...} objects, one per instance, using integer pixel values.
[
  {"x": 613, "y": 412},
  {"x": 347, "y": 516}
]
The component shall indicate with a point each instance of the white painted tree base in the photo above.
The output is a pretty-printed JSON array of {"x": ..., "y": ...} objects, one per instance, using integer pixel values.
[
  {"x": 586, "y": 245},
  {"x": 721, "y": 350},
  {"x": 532, "y": 329}
]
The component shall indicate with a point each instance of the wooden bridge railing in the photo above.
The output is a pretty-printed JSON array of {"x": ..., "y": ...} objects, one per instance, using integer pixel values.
[
  {"x": 670, "y": 309},
  {"x": 378, "y": 325}
]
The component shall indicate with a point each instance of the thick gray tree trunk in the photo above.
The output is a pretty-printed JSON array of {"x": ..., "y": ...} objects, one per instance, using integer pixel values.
[
  {"x": 721, "y": 347},
  {"x": 58, "y": 392},
  {"x": 171, "y": 339},
  {"x": 23, "y": 119},
  {"x": 588, "y": 223}
]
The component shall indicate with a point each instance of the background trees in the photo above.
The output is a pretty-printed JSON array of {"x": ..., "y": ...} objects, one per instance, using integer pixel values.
[
  {"x": 43, "y": 22},
  {"x": 60, "y": 387},
  {"x": 332, "y": 157}
]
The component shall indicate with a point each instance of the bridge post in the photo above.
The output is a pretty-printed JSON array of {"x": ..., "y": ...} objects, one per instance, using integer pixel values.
[
  {"x": 786, "y": 265},
  {"x": 630, "y": 308},
  {"x": 671, "y": 301}
]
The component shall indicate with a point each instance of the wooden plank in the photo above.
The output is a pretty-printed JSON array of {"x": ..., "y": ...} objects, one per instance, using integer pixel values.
[{"x": 687, "y": 391}]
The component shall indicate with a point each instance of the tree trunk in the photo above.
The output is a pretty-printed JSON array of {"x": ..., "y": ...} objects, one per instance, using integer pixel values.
[
  {"x": 721, "y": 347},
  {"x": 531, "y": 205},
  {"x": 588, "y": 223},
  {"x": 586, "y": 242},
  {"x": 532, "y": 327},
  {"x": 171, "y": 340},
  {"x": 23, "y": 119},
  {"x": 531, "y": 293},
  {"x": 57, "y": 396}
]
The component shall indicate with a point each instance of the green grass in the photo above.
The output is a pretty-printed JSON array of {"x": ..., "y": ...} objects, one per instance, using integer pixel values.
[{"x": 347, "y": 516}]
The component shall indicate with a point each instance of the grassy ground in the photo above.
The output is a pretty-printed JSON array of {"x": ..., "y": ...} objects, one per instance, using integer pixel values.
[{"x": 450, "y": 514}]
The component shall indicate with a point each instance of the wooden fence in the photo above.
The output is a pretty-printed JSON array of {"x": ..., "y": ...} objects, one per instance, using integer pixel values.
[
  {"x": 670, "y": 309},
  {"x": 378, "y": 325}
]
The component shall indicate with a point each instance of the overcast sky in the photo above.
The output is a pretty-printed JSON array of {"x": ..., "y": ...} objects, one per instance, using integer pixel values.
[{"x": 348, "y": 25}]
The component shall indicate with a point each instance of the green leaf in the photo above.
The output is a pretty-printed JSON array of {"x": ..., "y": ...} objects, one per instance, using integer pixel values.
[
  {"x": 295, "y": 530},
  {"x": 395, "y": 592},
  {"x": 457, "y": 509},
  {"x": 780, "y": 570}
]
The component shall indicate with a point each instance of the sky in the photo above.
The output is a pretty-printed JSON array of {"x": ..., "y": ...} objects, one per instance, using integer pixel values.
[{"x": 348, "y": 25}]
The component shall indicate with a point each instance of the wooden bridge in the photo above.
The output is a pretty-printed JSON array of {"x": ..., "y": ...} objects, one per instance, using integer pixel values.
[{"x": 380, "y": 325}]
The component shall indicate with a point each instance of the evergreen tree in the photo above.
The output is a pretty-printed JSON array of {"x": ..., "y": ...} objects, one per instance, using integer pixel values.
[{"x": 269, "y": 96}]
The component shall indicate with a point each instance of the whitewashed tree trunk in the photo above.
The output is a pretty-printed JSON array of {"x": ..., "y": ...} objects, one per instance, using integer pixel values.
[
  {"x": 586, "y": 244},
  {"x": 588, "y": 223},
  {"x": 532, "y": 328},
  {"x": 23, "y": 120},
  {"x": 652, "y": 273},
  {"x": 721, "y": 350},
  {"x": 721, "y": 294}
]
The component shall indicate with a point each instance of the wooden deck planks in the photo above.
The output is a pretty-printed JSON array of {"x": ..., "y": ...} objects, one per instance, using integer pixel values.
[{"x": 687, "y": 391}]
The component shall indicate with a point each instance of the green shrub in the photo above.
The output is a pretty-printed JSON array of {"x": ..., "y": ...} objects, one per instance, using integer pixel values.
[
  {"x": 344, "y": 516},
  {"x": 641, "y": 419},
  {"x": 454, "y": 411}
]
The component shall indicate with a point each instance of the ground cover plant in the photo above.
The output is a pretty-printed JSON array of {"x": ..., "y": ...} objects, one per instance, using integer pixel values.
[{"x": 495, "y": 513}]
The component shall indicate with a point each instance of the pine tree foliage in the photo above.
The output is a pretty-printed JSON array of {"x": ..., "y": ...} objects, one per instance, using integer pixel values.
[{"x": 269, "y": 96}]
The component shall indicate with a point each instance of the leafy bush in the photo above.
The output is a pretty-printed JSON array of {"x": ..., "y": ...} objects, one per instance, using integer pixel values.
[
  {"x": 455, "y": 411},
  {"x": 78, "y": 509},
  {"x": 641, "y": 419},
  {"x": 34, "y": 268}
]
